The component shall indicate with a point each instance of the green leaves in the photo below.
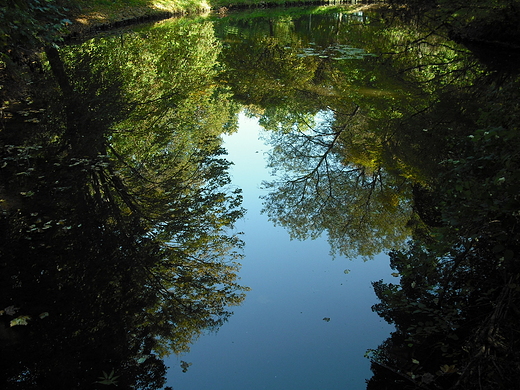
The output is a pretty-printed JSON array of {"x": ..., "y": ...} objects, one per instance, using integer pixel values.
[
  {"x": 21, "y": 320},
  {"x": 118, "y": 205},
  {"x": 28, "y": 23},
  {"x": 108, "y": 379}
]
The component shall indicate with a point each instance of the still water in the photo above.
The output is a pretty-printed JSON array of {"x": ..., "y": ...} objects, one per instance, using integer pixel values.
[
  {"x": 306, "y": 324},
  {"x": 347, "y": 135}
]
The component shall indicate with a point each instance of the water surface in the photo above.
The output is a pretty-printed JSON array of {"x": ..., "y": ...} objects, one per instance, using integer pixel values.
[
  {"x": 306, "y": 324},
  {"x": 121, "y": 213}
]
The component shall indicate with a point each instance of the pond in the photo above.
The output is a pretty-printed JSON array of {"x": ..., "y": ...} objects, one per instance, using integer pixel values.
[{"x": 301, "y": 198}]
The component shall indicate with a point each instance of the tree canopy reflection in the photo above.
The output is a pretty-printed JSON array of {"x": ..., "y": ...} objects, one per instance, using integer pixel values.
[
  {"x": 117, "y": 210},
  {"x": 117, "y": 216},
  {"x": 454, "y": 305},
  {"x": 329, "y": 129},
  {"x": 362, "y": 207},
  {"x": 420, "y": 145}
]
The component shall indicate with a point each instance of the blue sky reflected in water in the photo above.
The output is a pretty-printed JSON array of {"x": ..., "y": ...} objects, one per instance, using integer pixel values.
[{"x": 278, "y": 339}]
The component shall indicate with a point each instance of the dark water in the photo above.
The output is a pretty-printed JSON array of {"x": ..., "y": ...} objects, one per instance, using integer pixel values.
[{"x": 124, "y": 220}]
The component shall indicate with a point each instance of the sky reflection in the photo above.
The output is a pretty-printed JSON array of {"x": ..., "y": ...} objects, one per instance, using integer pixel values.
[{"x": 278, "y": 339}]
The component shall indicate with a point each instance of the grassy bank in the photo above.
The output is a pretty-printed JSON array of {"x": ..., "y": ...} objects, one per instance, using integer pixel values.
[
  {"x": 89, "y": 13},
  {"x": 92, "y": 12}
]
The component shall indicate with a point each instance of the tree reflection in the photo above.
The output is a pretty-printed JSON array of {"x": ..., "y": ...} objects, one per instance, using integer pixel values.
[
  {"x": 351, "y": 172},
  {"x": 362, "y": 207},
  {"x": 454, "y": 305},
  {"x": 116, "y": 213},
  {"x": 424, "y": 143},
  {"x": 116, "y": 242},
  {"x": 333, "y": 164}
]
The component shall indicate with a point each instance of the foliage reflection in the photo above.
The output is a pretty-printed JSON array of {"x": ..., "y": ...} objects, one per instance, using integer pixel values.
[
  {"x": 117, "y": 213},
  {"x": 117, "y": 245},
  {"x": 418, "y": 144}
]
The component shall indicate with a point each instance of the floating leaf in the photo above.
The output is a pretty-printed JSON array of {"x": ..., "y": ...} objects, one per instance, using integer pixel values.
[
  {"x": 22, "y": 320},
  {"x": 11, "y": 310},
  {"x": 142, "y": 359},
  {"x": 445, "y": 369},
  {"x": 108, "y": 379},
  {"x": 185, "y": 366}
]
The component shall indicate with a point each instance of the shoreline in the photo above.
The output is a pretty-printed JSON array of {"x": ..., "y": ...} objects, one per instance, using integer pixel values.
[{"x": 89, "y": 22}]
